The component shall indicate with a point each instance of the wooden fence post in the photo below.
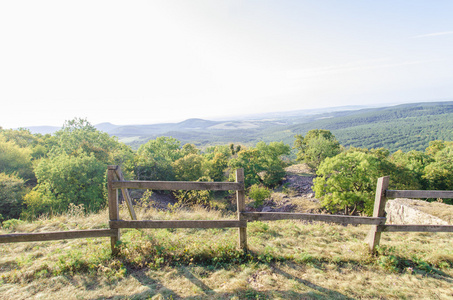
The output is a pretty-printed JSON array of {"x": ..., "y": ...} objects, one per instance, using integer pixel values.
[
  {"x": 240, "y": 196},
  {"x": 374, "y": 235},
  {"x": 113, "y": 206},
  {"x": 126, "y": 195}
]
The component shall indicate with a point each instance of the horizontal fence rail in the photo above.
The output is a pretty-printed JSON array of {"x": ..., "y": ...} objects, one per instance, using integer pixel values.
[
  {"x": 58, "y": 235},
  {"x": 272, "y": 216},
  {"x": 178, "y": 224},
  {"x": 417, "y": 228},
  {"x": 418, "y": 194},
  {"x": 179, "y": 185}
]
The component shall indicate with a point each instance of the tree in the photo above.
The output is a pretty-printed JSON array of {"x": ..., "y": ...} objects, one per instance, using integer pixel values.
[
  {"x": 414, "y": 162},
  {"x": 79, "y": 136},
  {"x": 316, "y": 146},
  {"x": 189, "y": 167},
  {"x": 74, "y": 170},
  {"x": 15, "y": 160},
  {"x": 216, "y": 166},
  {"x": 436, "y": 146},
  {"x": 12, "y": 191},
  {"x": 348, "y": 182},
  {"x": 439, "y": 173},
  {"x": 65, "y": 179},
  {"x": 154, "y": 160},
  {"x": 273, "y": 164},
  {"x": 262, "y": 164}
]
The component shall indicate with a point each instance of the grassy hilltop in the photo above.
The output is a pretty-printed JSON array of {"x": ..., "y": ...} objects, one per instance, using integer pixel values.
[{"x": 287, "y": 260}]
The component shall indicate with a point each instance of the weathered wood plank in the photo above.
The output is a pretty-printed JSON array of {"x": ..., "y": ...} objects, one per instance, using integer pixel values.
[
  {"x": 59, "y": 235},
  {"x": 418, "y": 194},
  {"x": 113, "y": 205},
  {"x": 178, "y": 185},
  {"x": 374, "y": 235},
  {"x": 417, "y": 228},
  {"x": 177, "y": 224},
  {"x": 240, "y": 198},
  {"x": 126, "y": 195},
  {"x": 272, "y": 216}
]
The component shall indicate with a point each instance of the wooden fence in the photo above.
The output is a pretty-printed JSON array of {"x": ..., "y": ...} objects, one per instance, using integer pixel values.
[
  {"x": 382, "y": 194},
  {"x": 117, "y": 182}
]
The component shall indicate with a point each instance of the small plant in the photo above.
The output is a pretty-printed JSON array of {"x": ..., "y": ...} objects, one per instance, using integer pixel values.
[
  {"x": 12, "y": 224},
  {"x": 259, "y": 194},
  {"x": 145, "y": 200}
]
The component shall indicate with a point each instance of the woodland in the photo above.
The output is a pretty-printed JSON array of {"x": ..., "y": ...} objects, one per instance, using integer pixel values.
[{"x": 45, "y": 174}]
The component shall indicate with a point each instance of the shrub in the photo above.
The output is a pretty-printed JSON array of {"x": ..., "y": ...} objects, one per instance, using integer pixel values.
[{"x": 259, "y": 194}]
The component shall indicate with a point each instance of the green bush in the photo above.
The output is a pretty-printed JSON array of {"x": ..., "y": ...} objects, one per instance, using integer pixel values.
[
  {"x": 259, "y": 194},
  {"x": 11, "y": 224}
]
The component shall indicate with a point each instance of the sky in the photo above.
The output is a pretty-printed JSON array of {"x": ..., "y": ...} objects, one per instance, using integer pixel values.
[{"x": 146, "y": 62}]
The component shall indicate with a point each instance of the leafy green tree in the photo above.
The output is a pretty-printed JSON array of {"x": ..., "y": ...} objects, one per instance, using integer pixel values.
[
  {"x": 12, "y": 191},
  {"x": 189, "y": 149},
  {"x": 216, "y": 162},
  {"x": 210, "y": 152},
  {"x": 217, "y": 166},
  {"x": 74, "y": 170},
  {"x": 249, "y": 160},
  {"x": 317, "y": 145},
  {"x": 21, "y": 137},
  {"x": 154, "y": 160},
  {"x": 436, "y": 146},
  {"x": 234, "y": 150},
  {"x": 65, "y": 179},
  {"x": 439, "y": 173},
  {"x": 272, "y": 161},
  {"x": 348, "y": 182},
  {"x": 414, "y": 162},
  {"x": 79, "y": 136},
  {"x": 15, "y": 160},
  {"x": 189, "y": 167},
  {"x": 263, "y": 164}
]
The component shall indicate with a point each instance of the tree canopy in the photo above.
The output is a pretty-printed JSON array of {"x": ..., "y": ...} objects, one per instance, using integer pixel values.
[{"x": 317, "y": 145}]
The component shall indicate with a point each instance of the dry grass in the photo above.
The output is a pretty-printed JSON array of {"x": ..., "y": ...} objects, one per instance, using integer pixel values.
[{"x": 287, "y": 260}]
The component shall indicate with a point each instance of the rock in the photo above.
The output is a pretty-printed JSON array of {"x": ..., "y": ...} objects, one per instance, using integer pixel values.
[
  {"x": 310, "y": 195},
  {"x": 286, "y": 208},
  {"x": 405, "y": 211},
  {"x": 266, "y": 209}
]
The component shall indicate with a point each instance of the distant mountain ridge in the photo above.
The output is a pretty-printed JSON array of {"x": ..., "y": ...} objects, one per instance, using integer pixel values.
[{"x": 406, "y": 127}]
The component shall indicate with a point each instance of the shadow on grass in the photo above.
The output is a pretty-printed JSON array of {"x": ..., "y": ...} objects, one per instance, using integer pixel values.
[
  {"x": 157, "y": 290},
  {"x": 399, "y": 264}
]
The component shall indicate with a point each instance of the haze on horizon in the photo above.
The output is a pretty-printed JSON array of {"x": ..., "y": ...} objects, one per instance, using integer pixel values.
[{"x": 146, "y": 62}]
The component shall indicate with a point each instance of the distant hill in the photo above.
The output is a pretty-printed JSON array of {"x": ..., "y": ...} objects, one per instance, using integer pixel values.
[{"x": 406, "y": 127}]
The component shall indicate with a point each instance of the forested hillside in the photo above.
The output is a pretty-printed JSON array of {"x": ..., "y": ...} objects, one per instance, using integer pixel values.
[{"x": 403, "y": 127}]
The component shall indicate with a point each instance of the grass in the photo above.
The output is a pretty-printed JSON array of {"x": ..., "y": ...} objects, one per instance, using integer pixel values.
[{"x": 286, "y": 260}]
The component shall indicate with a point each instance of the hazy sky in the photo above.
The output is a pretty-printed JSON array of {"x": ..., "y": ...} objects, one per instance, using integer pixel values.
[{"x": 142, "y": 62}]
